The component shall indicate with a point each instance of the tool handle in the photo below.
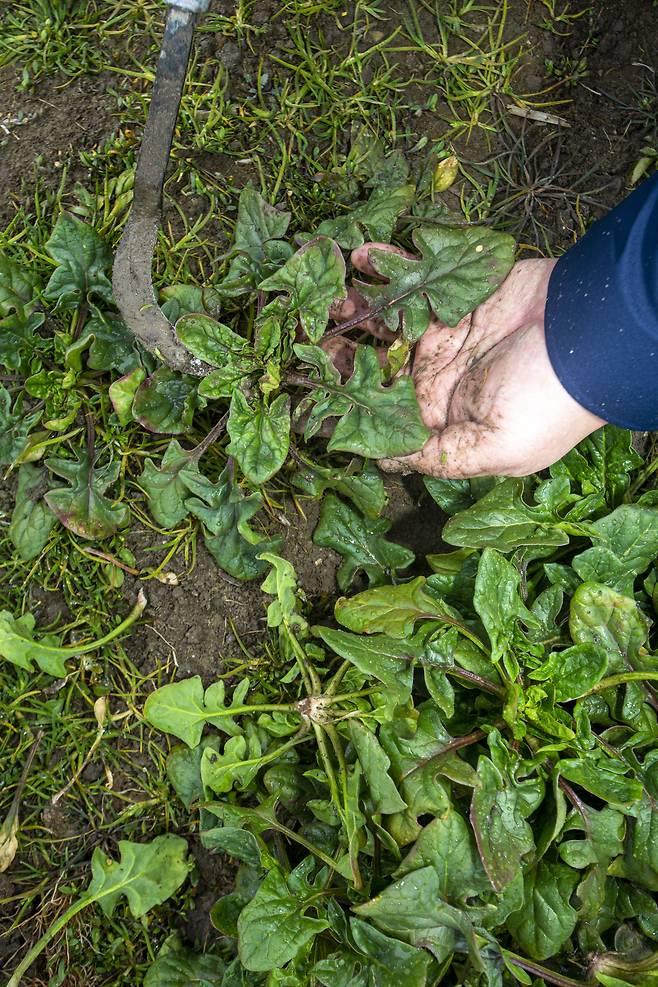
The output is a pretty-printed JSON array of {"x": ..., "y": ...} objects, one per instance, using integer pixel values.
[{"x": 193, "y": 6}]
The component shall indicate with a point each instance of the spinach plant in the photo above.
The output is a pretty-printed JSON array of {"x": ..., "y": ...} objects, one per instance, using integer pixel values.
[{"x": 456, "y": 781}]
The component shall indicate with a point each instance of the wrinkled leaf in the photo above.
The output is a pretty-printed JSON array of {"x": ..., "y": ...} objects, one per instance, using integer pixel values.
[
  {"x": 365, "y": 489},
  {"x": 84, "y": 263},
  {"x": 360, "y": 542},
  {"x": 574, "y": 671},
  {"x": 82, "y": 506},
  {"x": 260, "y": 436},
  {"x": 377, "y": 216},
  {"x": 258, "y": 249},
  {"x": 165, "y": 402},
  {"x": 31, "y": 520},
  {"x": 164, "y": 487},
  {"x": 547, "y": 919},
  {"x": 178, "y": 966},
  {"x": 458, "y": 269}
]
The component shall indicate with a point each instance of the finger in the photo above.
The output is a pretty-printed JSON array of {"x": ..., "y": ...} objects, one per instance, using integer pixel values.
[
  {"x": 361, "y": 259},
  {"x": 341, "y": 352},
  {"x": 460, "y": 452},
  {"x": 354, "y": 305}
]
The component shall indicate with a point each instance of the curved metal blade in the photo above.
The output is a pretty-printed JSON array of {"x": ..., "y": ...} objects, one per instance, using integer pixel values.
[{"x": 132, "y": 275}]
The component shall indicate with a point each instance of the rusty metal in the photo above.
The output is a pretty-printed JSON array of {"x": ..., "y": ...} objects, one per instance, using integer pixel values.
[{"x": 132, "y": 276}]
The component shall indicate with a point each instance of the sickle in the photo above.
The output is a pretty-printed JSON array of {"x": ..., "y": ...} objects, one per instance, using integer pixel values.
[{"x": 132, "y": 277}]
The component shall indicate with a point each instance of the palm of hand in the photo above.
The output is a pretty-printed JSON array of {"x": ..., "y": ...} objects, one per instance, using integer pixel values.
[{"x": 486, "y": 388}]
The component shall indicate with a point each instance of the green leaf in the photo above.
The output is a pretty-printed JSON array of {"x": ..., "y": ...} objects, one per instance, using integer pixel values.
[
  {"x": 236, "y": 766},
  {"x": 639, "y": 861},
  {"x": 146, "y": 874},
  {"x": 458, "y": 269},
  {"x": 178, "y": 966},
  {"x": 446, "y": 845},
  {"x": 601, "y": 464},
  {"x": 165, "y": 402},
  {"x": 625, "y": 544},
  {"x": 281, "y": 582},
  {"x": 365, "y": 489},
  {"x": 19, "y": 646},
  {"x": 498, "y": 602},
  {"x": 377, "y": 421},
  {"x": 360, "y": 542},
  {"x": 220, "y": 347},
  {"x": 122, "y": 394},
  {"x": 451, "y": 495},
  {"x": 574, "y": 671},
  {"x": 314, "y": 278},
  {"x": 388, "y": 660},
  {"x": 18, "y": 342},
  {"x": 164, "y": 487},
  {"x": 383, "y": 792},
  {"x": 547, "y": 919},
  {"x": 258, "y": 248},
  {"x": 604, "y": 837},
  {"x": 184, "y": 769},
  {"x": 260, "y": 436},
  {"x": 15, "y": 425},
  {"x": 31, "y": 520},
  {"x": 112, "y": 346},
  {"x": 412, "y": 910},
  {"x": 226, "y": 512},
  {"x": 378, "y": 216},
  {"x": 389, "y": 610},
  {"x": 603, "y": 779},
  {"x": 182, "y": 708},
  {"x": 502, "y": 520},
  {"x": 83, "y": 507},
  {"x": 498, "y": 817},
  {"x": 84, "y": 262},
  {"x": 18, "y": 288},
  {"x": 380, "y": 962},
  {"x": 603, "y": 617},
  {"x": 273, "y": 927}
]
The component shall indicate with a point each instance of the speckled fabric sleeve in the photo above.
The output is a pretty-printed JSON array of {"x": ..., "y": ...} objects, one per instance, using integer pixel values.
[{"x": 602, "y": 314}]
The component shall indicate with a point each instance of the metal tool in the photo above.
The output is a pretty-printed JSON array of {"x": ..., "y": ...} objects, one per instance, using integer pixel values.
[{"x": 132, "y": 277}]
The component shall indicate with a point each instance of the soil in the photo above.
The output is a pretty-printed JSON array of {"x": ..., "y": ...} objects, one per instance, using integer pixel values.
[{"x": 42, "y": 133}]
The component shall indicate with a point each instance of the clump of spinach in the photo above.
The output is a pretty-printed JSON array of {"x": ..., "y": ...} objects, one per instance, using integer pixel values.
[
  {"x": 269, "y": 387},
  {"x": 457, "y": 783}
]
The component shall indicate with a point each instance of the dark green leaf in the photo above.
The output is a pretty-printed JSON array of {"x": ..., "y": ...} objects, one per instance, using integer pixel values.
[
  {"x": 547, "y": 919},
  {"x": 260, "y": 436},
  {"x": 377, "y": 216},
  {"x": 498, "y": 602},
  {"x": 365, "y": 489},
  {"x": 451, "y": 495},
  {"x": 387, "y": 609},
  {"x": 165, "y": 402},
  {"x": 219, "y": 346},
  {"x": 361, "y": 543},
  {"x": 605, "y": 780},
  {"x": 380, "y": 962},
  {"x": 112, "y": 346},
  {"x": 385, "y": 658},
  {"x": 446, "y": 845},
  {"x": 226, "y": 512},
  {"x": 625, "y": 544},
  {"x": 458, "y": 269},
  {"x": 314, "y": 278},
  {"x": 164, "y": 487},
  {"x": 83, "y": 264},
  {"x": 18, "y": 288},
  {"x": 31, "y": 520},
  {"x": 601, "y": 464},
  {"x": 256, "y": 243},
  {"x": 498, "y": 817},
  {"x": 83, "y": 507},
  {"x": 273, "y": 927},
  {"x": 375, "y": 764},
  {"x": 184, "y": 769},
  {"x": 18, "y": 341},
  {"x": 639, "y": 861},
  {"x": 178, "y": 966},
  {"x": 15, "y": 425}
]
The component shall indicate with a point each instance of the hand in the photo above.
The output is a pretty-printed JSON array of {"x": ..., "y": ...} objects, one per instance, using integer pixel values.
[{"x": 486, "y": 388}]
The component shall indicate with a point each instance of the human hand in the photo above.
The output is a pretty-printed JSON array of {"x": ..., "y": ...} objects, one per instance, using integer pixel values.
[{"x": 486, "y": 388}]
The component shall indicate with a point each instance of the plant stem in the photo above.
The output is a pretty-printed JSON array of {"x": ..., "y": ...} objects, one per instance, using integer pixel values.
[
  {"x": 83, "y": 649},
  {"x": 462, "y": 673},
  {"x": 614, "y": 680},
  {"x": 454, "y": 745},
  {"x": 197, "y": 452},
  {"x": 50, "y": 934},
  {"x": 541, "y": 971}
]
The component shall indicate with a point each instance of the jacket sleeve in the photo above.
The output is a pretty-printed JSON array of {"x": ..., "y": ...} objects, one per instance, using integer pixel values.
[{"x": 602, "y": 314}]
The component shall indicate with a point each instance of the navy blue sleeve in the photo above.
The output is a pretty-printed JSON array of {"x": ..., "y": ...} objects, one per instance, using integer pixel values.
[{"x": 602, "y": 314}]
